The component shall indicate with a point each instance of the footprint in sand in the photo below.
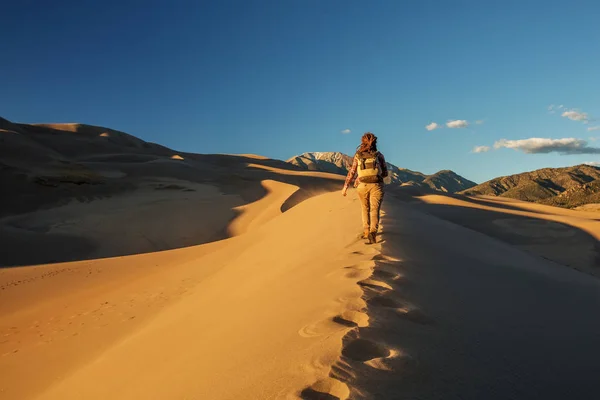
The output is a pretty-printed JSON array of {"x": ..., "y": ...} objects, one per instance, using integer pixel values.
[
  {"x": 361, "y": 270},
  {"x": 378, "y": 286},
  {"x": 311, "y": 394},
  {"x": 352, "y": 318},
  {"x": 364, "y": 350},
  {"x": 348, "y": 319},
  {"x": 382, "y": 363},
  {"x": 397, "y": 361},
  {"x": 326, "y": 389},
  {"x": 381, "y": 257},
  {"x": 377, "y": 356},
  {"x": 358, "y": 273},
  {"x": 343, "y": 321},
  {"x": 383, "y": 274},
  {"x": 410, "y": 314}
]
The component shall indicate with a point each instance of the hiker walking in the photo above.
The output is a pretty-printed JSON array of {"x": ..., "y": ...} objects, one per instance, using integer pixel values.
[{"x": 371, "y": 168}]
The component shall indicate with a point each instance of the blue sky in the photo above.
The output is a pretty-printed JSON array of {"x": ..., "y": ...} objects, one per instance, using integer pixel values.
[{"x": 279, "y": 78}]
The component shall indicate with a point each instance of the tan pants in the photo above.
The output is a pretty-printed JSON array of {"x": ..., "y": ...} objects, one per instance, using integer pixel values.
[{"x": 371, "y": 196}]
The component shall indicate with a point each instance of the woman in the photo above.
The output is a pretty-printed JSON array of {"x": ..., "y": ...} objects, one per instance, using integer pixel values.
[{"x": 371, "y": 168}]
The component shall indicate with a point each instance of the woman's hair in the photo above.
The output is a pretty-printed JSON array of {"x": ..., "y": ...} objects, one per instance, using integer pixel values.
[{"x": 368, "y": 142}]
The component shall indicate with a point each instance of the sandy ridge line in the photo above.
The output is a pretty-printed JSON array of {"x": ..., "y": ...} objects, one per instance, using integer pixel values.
[{"x": 376, "y": 274}]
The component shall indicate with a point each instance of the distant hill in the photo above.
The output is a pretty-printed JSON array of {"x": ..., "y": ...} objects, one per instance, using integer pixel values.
[
  {"x": 448, "y": 181},
  {"x": 339, "y": 163},
  {"x": 563, "y": 187}
]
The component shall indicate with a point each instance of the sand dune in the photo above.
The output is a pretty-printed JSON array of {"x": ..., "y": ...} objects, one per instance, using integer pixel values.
[
  {"x": 269, "y": 308},
  {"x": 290, "y": 309},
  {"x": 79, "y": 194},
  {"x": 569, "y": 237},
  {"x": 148, "y": 232},
  {"x": 186, "y": 276}
]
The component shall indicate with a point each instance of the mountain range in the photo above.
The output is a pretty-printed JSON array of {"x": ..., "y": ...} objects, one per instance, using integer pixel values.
[
  {"x": 567, "y": 187},
  {"x": 339, "y": 163}
]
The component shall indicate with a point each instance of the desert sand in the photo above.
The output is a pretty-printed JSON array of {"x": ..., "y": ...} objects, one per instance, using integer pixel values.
[
  {"x": 256, "y": 310},
  {"x": 473, "y": 317},
  {"x": 168, "y": 275},
  {"x": 569, "y": 237}
]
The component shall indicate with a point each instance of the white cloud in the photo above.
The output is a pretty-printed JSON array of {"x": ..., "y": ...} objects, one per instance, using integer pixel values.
[
  {"x": 432, "y": 126},
  {"x": 575, "y": 115},
  {"x": 457, "y": 123},
  {"x": 346, "y": 131},
  {"x": 479, "y": 122},
  {"x": 592, "y": 163},
  {"x": 481, "y": 149},
  {"x": 563, "y": 146},
  {"x": 593, "y": 128}
]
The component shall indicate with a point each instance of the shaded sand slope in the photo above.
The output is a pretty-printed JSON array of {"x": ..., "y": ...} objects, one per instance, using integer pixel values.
[
  {"x": 466, "y": 316},
  {"x": 260, "y": 315},
  {"x": 82, "y": 192},
  {"x": 568, "y": 237}
]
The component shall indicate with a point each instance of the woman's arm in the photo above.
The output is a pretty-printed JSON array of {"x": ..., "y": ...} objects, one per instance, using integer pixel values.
[{"x": 350, "y": 175}]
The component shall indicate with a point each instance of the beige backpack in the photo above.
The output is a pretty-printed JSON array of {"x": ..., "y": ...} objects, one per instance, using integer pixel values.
[{"x": 369, "y": 170}]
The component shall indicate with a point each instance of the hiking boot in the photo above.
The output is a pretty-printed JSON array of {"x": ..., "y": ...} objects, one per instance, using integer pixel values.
[{"x": 372, "y": 237}]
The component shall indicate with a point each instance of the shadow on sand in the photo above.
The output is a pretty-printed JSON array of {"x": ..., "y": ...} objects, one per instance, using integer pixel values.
[
  {"x": 231, "y": 174},
  {"x": 556, "y": 241},
  {"x": 494, "y": 322}
]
